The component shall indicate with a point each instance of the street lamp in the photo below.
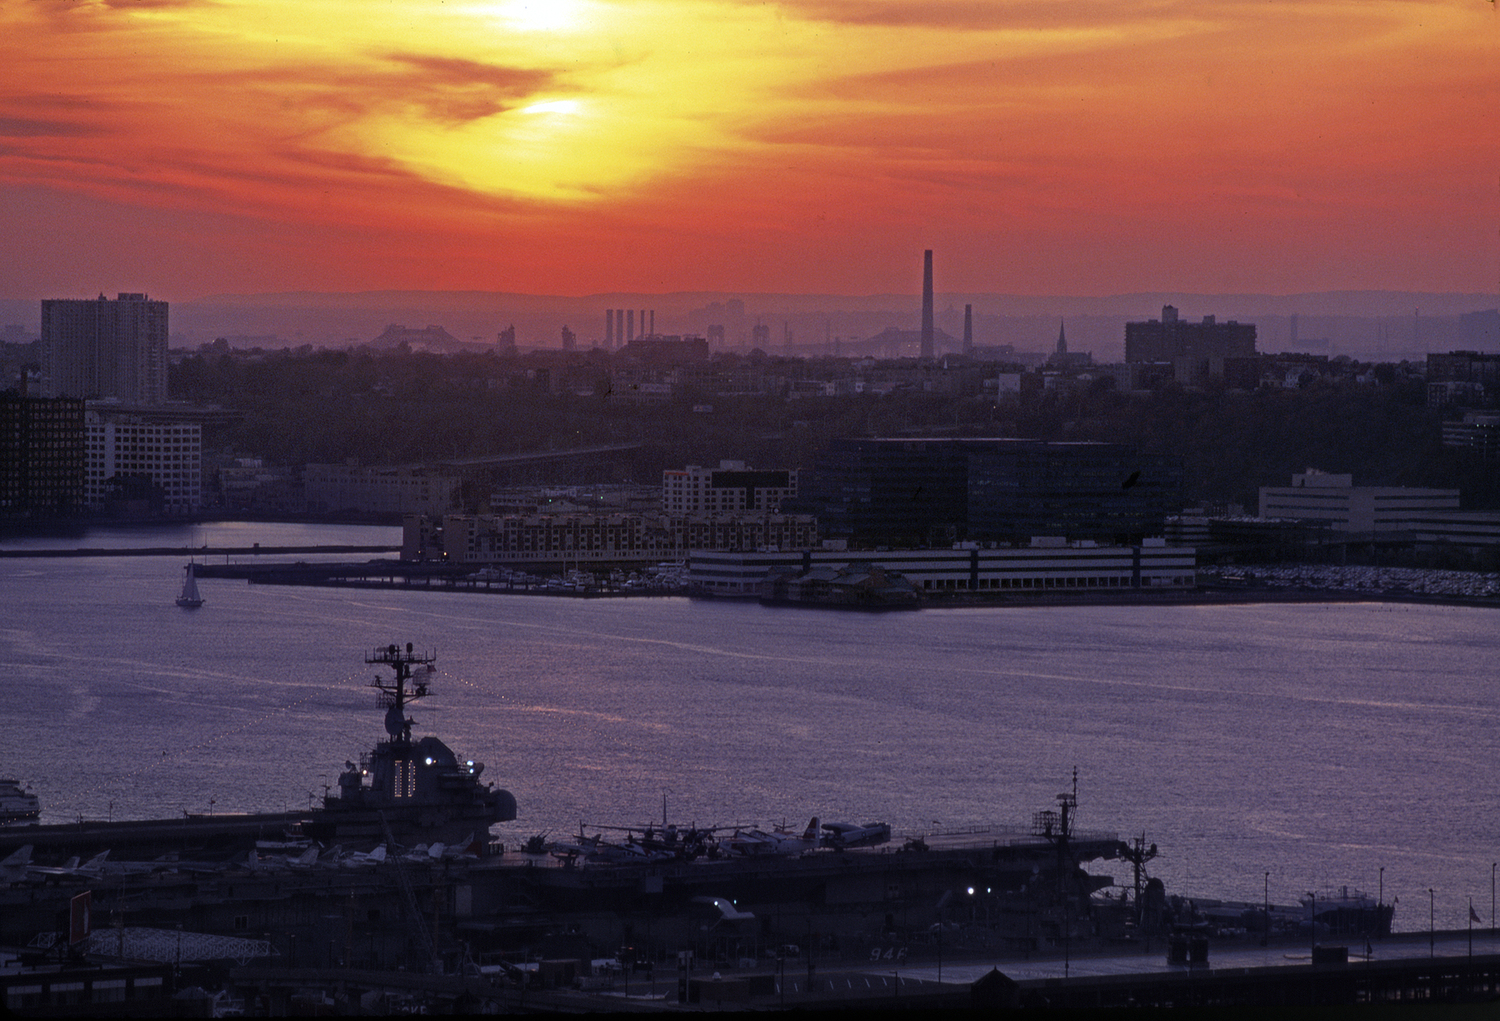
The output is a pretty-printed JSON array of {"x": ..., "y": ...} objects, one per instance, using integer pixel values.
[{"x": 1431, "y": 924}]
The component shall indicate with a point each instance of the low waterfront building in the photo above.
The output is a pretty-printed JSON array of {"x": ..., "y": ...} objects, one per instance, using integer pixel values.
[
  {"x": 249, "y": 485},
  {"x": 144, "y": 460},
  {"x": 1187, "y": 529},
  {"x": 731, "y": 488},
  {"x": 1335, "y": 501},
  {"x": 1234, "y": 534},
  {"x": 1047, "y": 565},
  {"x": 596, "y": 538},
  {"x": 928, "y": 492},
  {"x": 1477, "y": 433},
  {"x": 401, "y": 490},
  {"x": 1469, "y": 529}
]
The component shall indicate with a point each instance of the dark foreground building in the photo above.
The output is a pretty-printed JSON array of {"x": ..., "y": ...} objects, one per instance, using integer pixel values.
[
  {"x": 42, "y": 458},
  {"x": 936, "y": 491}
]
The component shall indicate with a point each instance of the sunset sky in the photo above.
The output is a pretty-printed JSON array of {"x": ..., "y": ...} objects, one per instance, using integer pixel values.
[{"x": 192, "y": 147}]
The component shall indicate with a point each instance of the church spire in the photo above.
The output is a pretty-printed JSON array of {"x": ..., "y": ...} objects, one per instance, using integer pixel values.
[{"x": 1062, "y": 339}]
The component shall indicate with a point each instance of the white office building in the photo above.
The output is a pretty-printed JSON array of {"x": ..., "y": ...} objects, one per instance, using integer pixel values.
[
  {"x": 731, "y": 488},
  {"x": 1336, "y": 502},
  {"x": 1471, "y": 529},
  {"x": 331, "y": 488},
  {"x": 132, "y": 445},
  {"x": 1048, "y": 565}
]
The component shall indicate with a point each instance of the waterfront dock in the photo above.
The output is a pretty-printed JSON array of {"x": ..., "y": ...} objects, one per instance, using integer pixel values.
[{"x": 205, "y": 554}]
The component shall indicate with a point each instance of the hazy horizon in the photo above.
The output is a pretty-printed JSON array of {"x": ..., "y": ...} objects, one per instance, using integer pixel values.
[
  {"x": 729, "y": 293},
  {"x": 1374, "y": 326}
]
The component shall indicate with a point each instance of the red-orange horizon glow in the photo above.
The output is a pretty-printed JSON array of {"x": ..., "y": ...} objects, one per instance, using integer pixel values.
[{"x": 190, "y": 147}]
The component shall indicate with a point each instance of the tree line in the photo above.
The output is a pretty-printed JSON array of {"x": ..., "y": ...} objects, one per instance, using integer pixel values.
[{"x": 404, "y": 407}]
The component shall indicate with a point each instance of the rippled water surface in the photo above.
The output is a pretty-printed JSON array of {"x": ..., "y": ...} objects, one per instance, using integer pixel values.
[{"x": 1316, "y": 742}]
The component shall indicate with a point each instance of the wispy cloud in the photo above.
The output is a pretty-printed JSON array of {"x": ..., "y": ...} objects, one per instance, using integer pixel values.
[{"x": 23, "y": 127}]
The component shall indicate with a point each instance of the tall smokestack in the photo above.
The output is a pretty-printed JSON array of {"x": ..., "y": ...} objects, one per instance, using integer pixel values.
[
  {"x": 609, "y": 329},
  {"x": 629, "y": 324},
  {"x": 927, "y": 304},
  {"x": 968, "y": 331}
]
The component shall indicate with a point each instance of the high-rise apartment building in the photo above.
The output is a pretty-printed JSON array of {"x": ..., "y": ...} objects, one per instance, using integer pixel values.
[
  {"x": 98, "y": 348},
  {"x": 1195, "y": 350}
]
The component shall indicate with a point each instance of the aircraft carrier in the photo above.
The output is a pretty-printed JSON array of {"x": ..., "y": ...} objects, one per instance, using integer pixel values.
[
  {"x": 392, "y": 892},
  {"x": 396, "y": 865}
]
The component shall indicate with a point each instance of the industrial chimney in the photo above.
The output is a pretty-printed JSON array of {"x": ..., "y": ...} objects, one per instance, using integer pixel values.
[{"x": 927, "y": 304}]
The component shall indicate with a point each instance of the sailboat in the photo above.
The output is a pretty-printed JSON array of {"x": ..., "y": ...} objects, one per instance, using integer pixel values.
[{"x": 190, "y": 599}]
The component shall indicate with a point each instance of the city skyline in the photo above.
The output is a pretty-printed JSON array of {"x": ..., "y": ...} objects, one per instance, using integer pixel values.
[{"x": 188, "y": 148}]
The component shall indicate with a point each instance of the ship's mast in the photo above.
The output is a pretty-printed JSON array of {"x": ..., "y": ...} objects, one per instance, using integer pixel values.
[
  {"x": 1068, "y": 803},
  {"x": 394, "y": 694},
  {"x": 1138, "y": 854}
]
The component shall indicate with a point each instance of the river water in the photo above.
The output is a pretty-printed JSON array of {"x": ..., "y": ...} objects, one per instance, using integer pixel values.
[{"x": 1320, "y": 743}]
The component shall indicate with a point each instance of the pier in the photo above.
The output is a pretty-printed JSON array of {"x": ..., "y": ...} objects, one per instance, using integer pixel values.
[{"x": 203, "y": 553}]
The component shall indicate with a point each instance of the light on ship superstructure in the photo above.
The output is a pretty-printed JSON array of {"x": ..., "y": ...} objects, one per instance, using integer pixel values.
[{"x": 417, "y": 787}]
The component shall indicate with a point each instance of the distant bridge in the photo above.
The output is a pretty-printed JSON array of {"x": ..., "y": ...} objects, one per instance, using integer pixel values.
[{"x": 508, "y": 467}]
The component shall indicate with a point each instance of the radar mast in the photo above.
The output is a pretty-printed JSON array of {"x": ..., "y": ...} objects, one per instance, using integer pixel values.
[{"x": 395, "y": 695}]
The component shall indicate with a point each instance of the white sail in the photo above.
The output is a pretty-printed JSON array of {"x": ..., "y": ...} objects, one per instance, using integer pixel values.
[{"x": 190, "y": 597}]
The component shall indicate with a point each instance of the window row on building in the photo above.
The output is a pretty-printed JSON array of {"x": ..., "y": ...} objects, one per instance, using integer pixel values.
[
  {"x": 728, "y": 489},
  {"x": 489, "y": 538},
  {"x": 331, "y": 488},
  {"x": 1334, "y": 501},
  {"x": 1036, "y": 569},
  {"x": 143, "y": 456},
  {"x": 42, "y": 457}
]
